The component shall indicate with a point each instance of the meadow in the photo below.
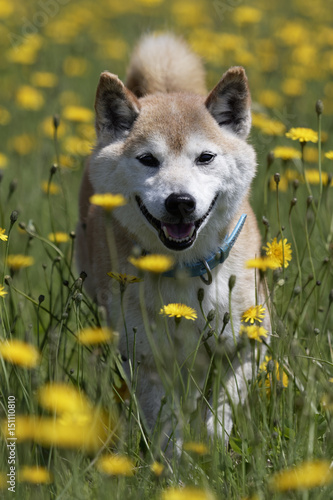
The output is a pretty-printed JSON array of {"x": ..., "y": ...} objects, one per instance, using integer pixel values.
[{"x": 79, "y": 433}]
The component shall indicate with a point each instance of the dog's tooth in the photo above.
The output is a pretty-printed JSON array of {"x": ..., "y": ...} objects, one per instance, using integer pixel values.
[
  {"x": 165, "y": 231},
  {"x": 192, "y": 231}
]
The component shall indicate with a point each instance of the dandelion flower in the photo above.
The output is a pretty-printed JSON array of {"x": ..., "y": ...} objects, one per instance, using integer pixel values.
[
  {"x": 29, "y": 98},
  {"x": 329, "y": 155},
  {"x": 19, "y": 261},
  {"x": 2, "y": 291},
  {"x": 198, "y": 448},
  {"x": 286, "y": 153},
  {"x": 44, "y": 79},
  {"x": 280, "y": 375},
  {"x": 304, "y": 476},
  {"x": 78, "y": 114},
  {"x": 58, "y": 237},
  {"x": 157, "y": 468},
  {"x": 34, "y": 474},
  {"x": 108, "y": 201},
  {"x": 262, "y": 263},
  {"x": 62, "y": 398},
  {"x": 254, "y": 332},
  {"x": 302, "y": 134},
  {"x": 91, "y": 336},
  {"x": 254, "y": 313},
  {"x": 154, "y": 263},
  {"x": 19, "y": 353},
  {"x": 3, "y": 161},
  {"x": 179, "y": 311},
  {"x": 50, "y": 187},
  {"x": 115, "y": 465},
  {"x": 247, "y": 15},
  {"x": 187, "y": 493},
  {"x": 124, "y": 279},
  {"x": 3, "y": 236},
  {"x": 313, "y": 177},
  {"x": 279, "y": 251}
]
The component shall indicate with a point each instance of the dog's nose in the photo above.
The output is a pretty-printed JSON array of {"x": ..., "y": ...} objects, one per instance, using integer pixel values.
[{"x": 180, "y": 205}]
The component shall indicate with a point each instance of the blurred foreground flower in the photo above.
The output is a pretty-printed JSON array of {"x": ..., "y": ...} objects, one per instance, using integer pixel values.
[
  {"x": 19, "y": 353},
  {"x": 302, "y": 134},
  {"x": 304, "y": 476},
  {"x": 34, "y": 474},
  {"x": 179, "y": 311},
  {"x": 62, "y": 398},
  {"x": 329, "y": 155},
  {"x": 78, "y": 114},
  {"x": 91, "y": 336},
  {"x": 286, "y": 153},
  {"x": 3, "y": 236},
  {"x": 198, "y": 448},
  {"x": 262, "y": 263},
  {"x": 154, "y": 263},
  {"x": 124, "y": 279},
  {"x": 254, "y": 332},
  {"x": 29, "y": 98},
  {"x": 2, "y": 291},
  {"x": 187, "y": 493},
  {"x": 280, "y": 251},
  {"x": 115, "y": 465},
  {"x": 254, "y": 313},
  {"x": 18, "y": 261},
  {"x": 157, "y": 468},
  {"x": 108, "y": 201}
]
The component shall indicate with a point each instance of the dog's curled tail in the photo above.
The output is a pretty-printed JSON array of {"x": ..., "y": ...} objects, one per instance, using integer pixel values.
[{"x": 164, "y": 63}]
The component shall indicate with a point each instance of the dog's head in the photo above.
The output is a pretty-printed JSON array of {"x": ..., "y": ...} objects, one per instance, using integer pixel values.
[{"x": 181, "y": 160}]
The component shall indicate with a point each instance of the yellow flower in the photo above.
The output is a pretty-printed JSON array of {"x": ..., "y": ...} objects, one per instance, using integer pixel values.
[
  {"x": 154, "y": 263},
  {"x": 6, "y": 8},
  {"x": 90, "y": 336},
  {"x": 311, "y": 155},
  {"x": 124, "y": 279},
  {"x": 72, "y": 430},
  {"x": 279, "y": 251},
  {"x": 313, "y": 177},
  {"x": 280, "y": 375},
  {"x": 302, "y": 134},
  {"x": 157, "y": 468},
  {"x": 29, "y": 98},
  {"x": 18, "y": 261},
  {"x": 303, "y": 477},
  {"x": 293, "y": 87},
  {"x": 22, "y": 144},
  {"x": 247, "y": 15},
  {"x": 58, "y": 237},
  {"x": 187, "y": 493},
  {"x": 78, "y": 114},
  {"x": 254, "y": 332},
  {"x": 108, "y": 201},
  {"x": 44, "y": 79},
  {"x": 50, "y": 188},
  {"x": 63, "y": 398},
  {"x": 3, "y": 160},
  {"x": 75, "y": 66},
  {"x": 270, "y": 98},
  {"x": 329, "y": 155},
  {"x": 267, "y": 125},
  {"x": 34, "y": 474},
  {"x": 254, "y": 313},
  {"x": 179, "y": 311},
  {"x": 262, "y": 263},
  {"x": 198, "y": 448},
  {"x": 115, "y": 465},
  {"x": 286, "y": 153},
  {"x": 19, "y": 353},
  {"x": 47, "y": 126},
  {"x": 3, "y": 236},
  {"x": 2, "y": 291}
]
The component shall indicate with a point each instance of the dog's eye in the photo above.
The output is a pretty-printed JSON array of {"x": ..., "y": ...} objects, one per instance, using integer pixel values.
[
  {"x": 148, "y": 160},
  {"x": 205, "y": 158}
]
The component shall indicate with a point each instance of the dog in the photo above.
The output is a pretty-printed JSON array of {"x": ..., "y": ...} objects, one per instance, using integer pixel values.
[{"x": 180, "y": 157}]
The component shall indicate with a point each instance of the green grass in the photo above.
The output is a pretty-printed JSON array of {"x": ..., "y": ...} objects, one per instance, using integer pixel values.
[{"x": 46, "y": 304}]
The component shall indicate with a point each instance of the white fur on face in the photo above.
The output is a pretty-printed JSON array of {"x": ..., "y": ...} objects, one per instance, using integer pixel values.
[{"x": 229, "y": 175}]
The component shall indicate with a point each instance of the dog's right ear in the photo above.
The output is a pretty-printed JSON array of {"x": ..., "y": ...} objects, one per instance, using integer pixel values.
[{"x": 116, "y": 107}]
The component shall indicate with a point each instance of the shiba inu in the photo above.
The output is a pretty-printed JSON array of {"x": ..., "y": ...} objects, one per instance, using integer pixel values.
[{"x": 179, "y": 156}]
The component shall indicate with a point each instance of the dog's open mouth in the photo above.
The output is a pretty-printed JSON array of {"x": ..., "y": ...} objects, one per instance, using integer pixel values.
[{"x": 177, "y": 236}]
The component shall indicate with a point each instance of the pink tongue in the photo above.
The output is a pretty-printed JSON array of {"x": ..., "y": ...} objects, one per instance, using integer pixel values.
[{"x": 179, "y": 231}]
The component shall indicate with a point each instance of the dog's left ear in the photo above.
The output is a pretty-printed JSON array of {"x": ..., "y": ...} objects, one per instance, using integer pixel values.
[
  {"x": 230, "y": 102},
  {"x": 116, "y": 107}
]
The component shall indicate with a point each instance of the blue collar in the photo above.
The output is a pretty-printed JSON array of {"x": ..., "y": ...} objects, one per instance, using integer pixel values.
[{"x": 206, "y": 265}]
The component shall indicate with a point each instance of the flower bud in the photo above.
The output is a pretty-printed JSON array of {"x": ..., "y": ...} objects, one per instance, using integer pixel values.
[
  {"x": 232, "y": 281},
  {"x": 211, "y": 315},
  {"x": 319, "y": 107},
  {"x": 201, "y": 294}
]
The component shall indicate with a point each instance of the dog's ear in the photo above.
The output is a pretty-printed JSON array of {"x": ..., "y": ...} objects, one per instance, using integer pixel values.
[
  {"x": 230, "y": 102},
  {"x": 116, "y": 107}
]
